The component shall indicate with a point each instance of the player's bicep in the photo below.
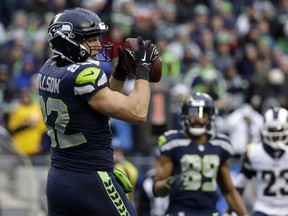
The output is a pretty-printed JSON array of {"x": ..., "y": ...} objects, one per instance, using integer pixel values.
[
  {"x": 108, "y": 102},
  {"x": 113, "y": 104}
]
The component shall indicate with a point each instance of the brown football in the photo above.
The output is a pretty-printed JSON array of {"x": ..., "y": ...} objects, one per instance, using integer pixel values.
[{"x": 156, "y": 67}]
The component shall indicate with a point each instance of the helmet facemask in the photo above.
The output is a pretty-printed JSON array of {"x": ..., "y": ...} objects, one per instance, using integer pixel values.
[
  {"x": 196, "y": 121},
  {"x": 105, "y": 50},
  {"x": 276, "y": 136},
  {"x": 197, "y": 114},
  {"x": 275, "y": 128}
]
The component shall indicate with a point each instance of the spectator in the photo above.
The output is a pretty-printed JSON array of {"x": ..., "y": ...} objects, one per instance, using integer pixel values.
[
  {"x": 225, "y": 11},
  {"x": 26, "y": 125},
  {"x": 39, "y": 6},
  {"x": 178, "y": 93},
  {"x": 183, "y": 43},
  {"x": 23, "y": 78},
  {"x": 246, "y": 20},
  {"x": 7, "y": 94},
  {"x": 206, "y": 78},
  {"x": 236, "y": 88},
  {"x": 224, "y": 51},
  {"x": 167, "y": 27},
  {"x": 123, "y": 11},
  {"x": 171, "y": 68},
  {"x": 206, "y": 43},
  {"x": 282, "y": 41},
  {"x": 247, "y": 129}
]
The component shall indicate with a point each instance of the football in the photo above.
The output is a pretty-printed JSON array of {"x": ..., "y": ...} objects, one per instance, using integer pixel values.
[{"x": 156, "y": 66}]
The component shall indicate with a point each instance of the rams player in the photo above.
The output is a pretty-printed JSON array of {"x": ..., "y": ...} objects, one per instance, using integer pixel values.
[
  {"x": 193, "y": 162},
  {"x": 77, "y": 100},
  {"x": 267, "y": 163}
]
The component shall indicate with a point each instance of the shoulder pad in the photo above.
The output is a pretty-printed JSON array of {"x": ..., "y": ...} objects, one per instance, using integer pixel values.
[
  {"x": 167, "y": 136},
  {"x": 222, "y": 137},
  {"x": 87, "y": 74},
  {"x": 88, "y": 77},
  {"x": 222, "y": 141}
]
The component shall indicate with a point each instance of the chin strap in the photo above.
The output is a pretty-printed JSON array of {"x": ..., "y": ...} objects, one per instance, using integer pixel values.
[{"x": 61, "y": 55}]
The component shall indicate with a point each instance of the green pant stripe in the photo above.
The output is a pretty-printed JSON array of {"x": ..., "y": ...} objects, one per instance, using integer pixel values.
[{"x": 113, "y": 194}]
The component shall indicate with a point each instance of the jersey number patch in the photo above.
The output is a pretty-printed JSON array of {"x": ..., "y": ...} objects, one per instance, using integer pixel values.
[
  {"x": 58, "y": 129},
  {"x": 270, "y": 177},
  {"x": 197, "y": 168}
]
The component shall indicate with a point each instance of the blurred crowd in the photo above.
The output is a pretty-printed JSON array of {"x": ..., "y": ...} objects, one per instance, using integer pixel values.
[{"x": 236, "y": 51}]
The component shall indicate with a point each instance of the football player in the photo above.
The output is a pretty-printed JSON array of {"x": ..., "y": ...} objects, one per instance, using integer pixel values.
[
  {"x": 77, "y": 100},
  {"x": 267, "y": 163},
  {"x": 193, "y": 161}
]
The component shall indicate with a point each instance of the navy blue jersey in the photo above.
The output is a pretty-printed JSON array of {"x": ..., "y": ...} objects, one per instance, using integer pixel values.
[
  {"x": 199, "y": 164},
  {"x": 81, "y": 136}
]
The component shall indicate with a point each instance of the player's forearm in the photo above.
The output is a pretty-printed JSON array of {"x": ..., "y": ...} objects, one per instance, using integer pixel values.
[
  {"x": 235, "y": 203},
  {"x": 140, "y": 98},
  {"x": 116, "y": 85}
]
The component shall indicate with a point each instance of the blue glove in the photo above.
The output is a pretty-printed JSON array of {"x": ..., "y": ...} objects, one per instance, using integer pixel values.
[
  {"x": 121, "y": 70},
  {"x": 175, "y": 182}
]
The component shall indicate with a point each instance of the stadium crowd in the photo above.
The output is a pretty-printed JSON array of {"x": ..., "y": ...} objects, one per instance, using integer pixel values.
[{"x": 234, "y": 50}]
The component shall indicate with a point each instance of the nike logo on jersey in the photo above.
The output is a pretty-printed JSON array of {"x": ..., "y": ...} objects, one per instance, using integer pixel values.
[
  {"x": 89, "y": 74},
  {"x": 144, "y": 57}
]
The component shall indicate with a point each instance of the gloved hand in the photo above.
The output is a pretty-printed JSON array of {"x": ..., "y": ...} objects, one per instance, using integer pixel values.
[
  {"x": 121, "y": 70},
  {"x": 142, "y": 58},
  {"x": 174, "y": 183},
  {"x": 155, "y": 53}
]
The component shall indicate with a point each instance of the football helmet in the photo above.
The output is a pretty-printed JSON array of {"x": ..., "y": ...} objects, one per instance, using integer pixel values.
[
  {"x": 198, "y": 106},
  {"x": 69, "y": 29},
  {"x": 275, "y": 128}
]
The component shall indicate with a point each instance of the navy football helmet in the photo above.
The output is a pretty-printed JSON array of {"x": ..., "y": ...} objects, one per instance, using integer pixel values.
[
  {"x": 199, "y": 106},
  {"x": 275, "y": 128},
  {"x": 69, "y": 29}
]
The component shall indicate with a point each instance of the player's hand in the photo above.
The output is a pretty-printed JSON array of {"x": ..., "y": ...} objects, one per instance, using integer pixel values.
[
  {"x": 142, "y": 57},
  {"x": 121, "y": 70},
  {"x": 155, "y": 53},
  {"x": 174, "y": 183}
]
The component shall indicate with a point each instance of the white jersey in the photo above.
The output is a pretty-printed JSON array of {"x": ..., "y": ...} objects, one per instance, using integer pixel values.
[
  {"x": 270, "y": 170},
  {"x": 158, "y": 205}
]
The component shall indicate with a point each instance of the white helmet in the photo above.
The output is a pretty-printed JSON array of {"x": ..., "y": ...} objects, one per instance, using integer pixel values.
[{"x": 275, "y": 128}]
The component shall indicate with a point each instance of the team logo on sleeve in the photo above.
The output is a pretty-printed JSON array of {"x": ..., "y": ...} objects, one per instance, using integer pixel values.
[{"x": 60, "y": 28}]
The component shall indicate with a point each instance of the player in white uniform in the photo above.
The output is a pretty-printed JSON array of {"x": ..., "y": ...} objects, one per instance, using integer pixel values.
[{"x": 268, "y": 163}]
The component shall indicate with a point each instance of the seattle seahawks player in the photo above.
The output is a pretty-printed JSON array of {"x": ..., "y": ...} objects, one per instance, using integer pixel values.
[
  {"x": 193, "y": 161},
  {"x": 267, "y": 163},
  {"x": 77, "y": 100}
]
